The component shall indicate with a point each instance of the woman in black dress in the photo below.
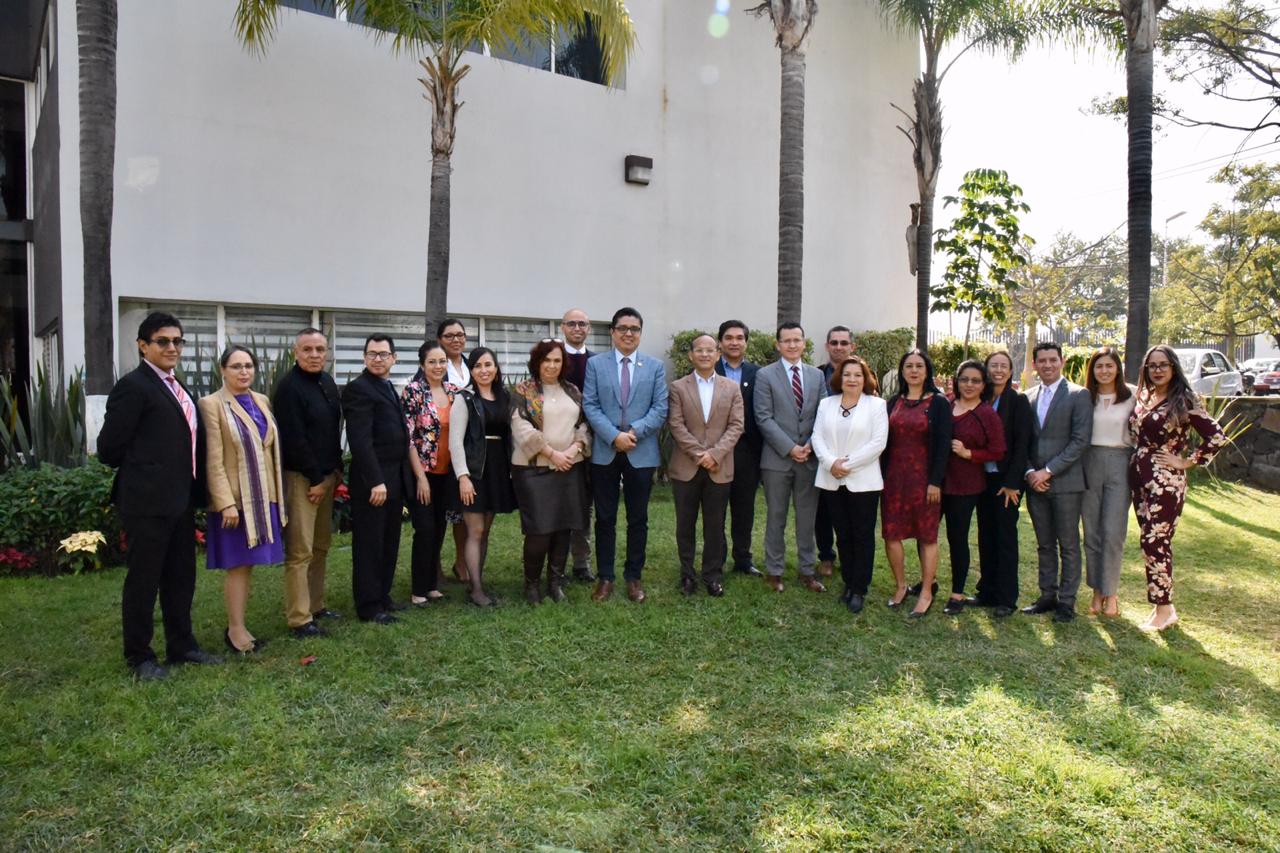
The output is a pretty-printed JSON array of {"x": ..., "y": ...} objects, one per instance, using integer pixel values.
[{"x": 480, "y": 450}]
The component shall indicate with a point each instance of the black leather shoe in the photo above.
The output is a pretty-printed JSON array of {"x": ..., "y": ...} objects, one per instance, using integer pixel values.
[
  {"x": 915, "y": 588},
  {"x": 1001, "y": 611},
  {"x": 715, "y": 589},
  {"x": 1041, "y": 605},
  {"x": 307, "y": 631},
  {"x": 844, "y": 596},
  {"x": 749, "y": 570},
  {"x": 955, "y": 606},
  {"x": 1064, "y": 614},
  {"x": 688, "y": 586},
  {"x": 149, "y": 670},
  {"x": 194, "y": 656},
  {"x": 855, "y": 602},
  {"x": 382, "y": 617},
  {"x": 326, "y": 613}
]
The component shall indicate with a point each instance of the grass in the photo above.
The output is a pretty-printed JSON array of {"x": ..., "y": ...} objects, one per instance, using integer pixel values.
[{"x": 757, "y": 721}]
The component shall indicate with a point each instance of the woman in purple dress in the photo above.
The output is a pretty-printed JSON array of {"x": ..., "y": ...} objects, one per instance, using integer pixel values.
[{"x": 246, "y": 510}]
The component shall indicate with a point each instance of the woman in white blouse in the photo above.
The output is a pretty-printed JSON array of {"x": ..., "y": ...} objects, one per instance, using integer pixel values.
[
  {"x": 850, "y": 433},
  {"x": 1106, "y": 470}
]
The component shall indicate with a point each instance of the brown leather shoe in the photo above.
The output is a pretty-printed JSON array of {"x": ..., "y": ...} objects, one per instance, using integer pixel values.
[
  {"x": 826, "y": 568},
  {"x": 604, "y": 589},
  {"x": 812, "y": 584},
  {"x": 635, "y": 591},
  {"x": 774, "y": 582}
]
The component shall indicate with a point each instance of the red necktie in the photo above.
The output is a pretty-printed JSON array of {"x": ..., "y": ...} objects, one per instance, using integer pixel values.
[
  {"x": 188, "y": 411},
  {"x": 797, "y": 388}
]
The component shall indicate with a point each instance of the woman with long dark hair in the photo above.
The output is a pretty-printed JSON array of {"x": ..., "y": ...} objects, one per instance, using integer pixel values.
[
  {"x": 428, "y": 403},
  {"x": 914, "y": 463},
  {"x": 1105, "y": 508},
  {"x": 480, "y": 449},
  {"x": 1163, "y": 418}
]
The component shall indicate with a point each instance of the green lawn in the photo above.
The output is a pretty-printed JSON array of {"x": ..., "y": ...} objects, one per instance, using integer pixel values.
[{"x": 757, "y": 721}]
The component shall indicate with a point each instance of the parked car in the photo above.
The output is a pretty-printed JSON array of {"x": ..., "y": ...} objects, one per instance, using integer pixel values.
[
  {"x": 1210, "y": 373},
  {"x": 1267, "y": 381},
  {"x": 1254, "y": 368}
]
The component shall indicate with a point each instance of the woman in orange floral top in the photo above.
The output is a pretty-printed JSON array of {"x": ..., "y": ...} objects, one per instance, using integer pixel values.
[
  {"x": 427, "y": 401},
  {"x": 1166, "y": 412}
]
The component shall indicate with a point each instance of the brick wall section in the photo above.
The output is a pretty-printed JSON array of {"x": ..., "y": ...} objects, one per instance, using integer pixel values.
[{"x": 1255, "y": 456}]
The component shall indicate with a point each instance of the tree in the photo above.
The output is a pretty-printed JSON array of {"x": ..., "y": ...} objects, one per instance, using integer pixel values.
[
  {"x": 441, "y": 30},
  {"x": 982, "y": 241},
  {"x": 991, "y": 25},
  {"x": 96, "y": 36},
  {"x": 792, "y": 20}
]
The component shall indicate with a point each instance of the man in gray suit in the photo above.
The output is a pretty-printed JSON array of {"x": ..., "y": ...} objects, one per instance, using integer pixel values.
[
  {"x": 1061, "y": 427},
  {"x": 786, "y": 403}
]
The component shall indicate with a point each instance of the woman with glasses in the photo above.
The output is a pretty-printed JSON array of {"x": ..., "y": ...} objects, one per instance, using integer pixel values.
[
  {"x": 977, "y": 437},
  {"x": 452, "y": 335},
  {"x": 1166, "y": 412},
  {"x": 551, "y": 440},
  {"x": 1105, "y": 508},
  {"x": 242, "y": 464},
  {"x": 480, "y": 449},
  {"x": 428, "y": 401}
]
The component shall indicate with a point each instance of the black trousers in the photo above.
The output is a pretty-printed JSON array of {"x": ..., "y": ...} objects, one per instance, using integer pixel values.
[
  {"x": 997, "y": 547},
  {"x": 742, "y": 501},
  {"x": 824, "y": 534},
  {"x": 375, "y": 547},
  {"x": 958, "y": 512},
  {"x": 549, "y": 549},
  {"x": 636, "y": 483},
  {"x": 701, "y": 494},
  {"x": 161, "y": 557},
  {"x": 853, "y": 519},
  {"x": 429, "y": 532}
]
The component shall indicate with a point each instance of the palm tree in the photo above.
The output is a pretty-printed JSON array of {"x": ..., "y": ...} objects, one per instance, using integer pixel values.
[
  {"x": 441, "y": 30},
  {"x": 792, "y": 20},
  {"x": 96, "y": 36},
  {"x": 991, "y": 25}
]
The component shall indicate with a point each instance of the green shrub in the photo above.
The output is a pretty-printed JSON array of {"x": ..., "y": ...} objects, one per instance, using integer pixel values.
[
  {"x": 762, "y": 349},
  {"x": 53, "y": 429},
  {"x": 41, "y": 506},
  {"x": 948, "y": 353},
  {"x": 882, "y": 350}
]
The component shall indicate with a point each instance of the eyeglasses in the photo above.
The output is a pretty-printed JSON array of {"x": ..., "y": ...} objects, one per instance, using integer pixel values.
[
  {"x": 379, "y": 356},
  {"x": 627, "y": 330},
  {"x": 576, "y": 324},
  {"x": 1158, "y": 365},
  {"x": 550, "y": 341},
  {"x": 454, "y": 336},
  {"x": 165, "y": 343},
  {"x": 970, "y": 380}
]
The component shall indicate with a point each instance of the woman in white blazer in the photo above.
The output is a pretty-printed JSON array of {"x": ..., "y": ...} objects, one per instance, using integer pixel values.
[{"x": 850, "y": 433}]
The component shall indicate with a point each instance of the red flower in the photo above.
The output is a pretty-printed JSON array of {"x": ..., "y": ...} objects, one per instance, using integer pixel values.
[
  {"x": 199, "y": 537},
  {"x": 341, "y": 493}
]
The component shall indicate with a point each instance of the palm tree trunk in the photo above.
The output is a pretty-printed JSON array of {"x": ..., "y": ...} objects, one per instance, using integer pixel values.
[
  {"x": 437, "y": 307},
  {"x": 791, "y": 188},
  {"x": 96, "y": 30},
  {"x": 928, "y": 159},
  {"x": 1139, "y": 65}
]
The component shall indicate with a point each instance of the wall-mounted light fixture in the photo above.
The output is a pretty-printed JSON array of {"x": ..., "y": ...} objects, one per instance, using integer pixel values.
[{"x": 637, "y": 170}]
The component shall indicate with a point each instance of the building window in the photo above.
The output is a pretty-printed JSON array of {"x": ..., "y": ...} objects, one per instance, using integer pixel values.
[
  {"x": 13, "y": 151},
  {"x": 315, "y": 7}
]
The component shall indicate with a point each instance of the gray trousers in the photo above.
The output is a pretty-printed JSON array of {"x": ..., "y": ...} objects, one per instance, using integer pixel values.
[
  {"x": 795, "y": 485},
  {"x": 1106, "y": 515},
  {"x": 1056, "y": 519}
]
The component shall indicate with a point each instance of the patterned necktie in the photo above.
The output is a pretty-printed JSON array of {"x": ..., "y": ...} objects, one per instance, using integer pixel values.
[
  {"x": 625, "y": 389},
  {"x": 797, "y": 388},
  {"x": 1046, "y": 398},
  {"x": 189, "y": 412}
]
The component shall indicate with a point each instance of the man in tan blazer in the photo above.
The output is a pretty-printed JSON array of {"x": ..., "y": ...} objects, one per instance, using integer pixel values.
[{"x": 706, "y": 420}]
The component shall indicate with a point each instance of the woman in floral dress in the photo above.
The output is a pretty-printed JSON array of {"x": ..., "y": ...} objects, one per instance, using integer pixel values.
[{"x": 1163, "y": 418}]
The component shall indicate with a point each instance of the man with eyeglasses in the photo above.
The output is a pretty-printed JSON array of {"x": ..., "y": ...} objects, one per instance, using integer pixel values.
[
  {"x": 840, "y": 346},
  {"x": 309, "y": 418},
  {"x": 153, "y": 436},
  {"x": 574, "y": 329},
  {"x": 625, "y": 401},
  {"x": 378, "y": 436}
]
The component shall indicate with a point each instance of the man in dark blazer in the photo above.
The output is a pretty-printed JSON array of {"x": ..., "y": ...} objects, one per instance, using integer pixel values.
[
  {"x": 152, "y": 434},
  {"x": 575, "y": 326},
  {"x": 379, "y": 440},
  {"x": 1061, "y": 427},
  {"x": 733, "y": 364},
  {"x": 786, "y": 404}
]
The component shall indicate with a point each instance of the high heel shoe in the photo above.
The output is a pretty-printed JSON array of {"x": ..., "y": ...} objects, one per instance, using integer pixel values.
[
  {"x": 919, "y": 614},
  {"x": 894, "y": 605},
  {"x": 253, "y": 650},
  {"x": 915, "y": 588}
]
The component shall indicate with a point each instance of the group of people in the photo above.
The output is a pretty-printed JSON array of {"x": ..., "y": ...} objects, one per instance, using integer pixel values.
[{"x": 457, "y": 447}]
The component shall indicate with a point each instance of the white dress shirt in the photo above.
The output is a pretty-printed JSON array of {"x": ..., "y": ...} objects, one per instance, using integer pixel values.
[
  {"x": 458, "y": 374},
  {"x": 706, "y": 389}
]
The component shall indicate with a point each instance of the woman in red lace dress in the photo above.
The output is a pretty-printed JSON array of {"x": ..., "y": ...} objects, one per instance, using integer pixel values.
[{"x": 1166, "y": 412}]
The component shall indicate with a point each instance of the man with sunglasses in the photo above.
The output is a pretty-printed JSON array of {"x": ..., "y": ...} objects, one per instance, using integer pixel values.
[
  {"x": 575, "y": 326},
  {"x": 152, "y": 435},
  {"x": 625, "y": 401}
]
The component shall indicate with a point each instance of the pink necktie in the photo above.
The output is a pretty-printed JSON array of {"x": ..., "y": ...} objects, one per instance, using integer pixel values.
[
  {"x": 625, "y": 390},
  {"x": 188, "y": 411}
]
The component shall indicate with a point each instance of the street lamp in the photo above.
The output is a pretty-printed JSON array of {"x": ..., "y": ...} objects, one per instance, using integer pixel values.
[{"x": 1164, "y": 277}]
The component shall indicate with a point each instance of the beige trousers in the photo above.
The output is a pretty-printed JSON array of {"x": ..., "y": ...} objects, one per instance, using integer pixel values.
[{"x": 306, "y": 546}]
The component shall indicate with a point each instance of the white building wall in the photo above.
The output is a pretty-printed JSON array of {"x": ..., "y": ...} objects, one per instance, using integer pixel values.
[{"x": 301, "y": 178}]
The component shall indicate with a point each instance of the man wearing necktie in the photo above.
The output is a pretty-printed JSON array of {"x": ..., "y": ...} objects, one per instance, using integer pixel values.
[
  {"x": 786, "y": 405},
  {"x": 624, "y": 397},
  {"x": 152, "y": 435},
  {"x": 1060, "y": 433}
]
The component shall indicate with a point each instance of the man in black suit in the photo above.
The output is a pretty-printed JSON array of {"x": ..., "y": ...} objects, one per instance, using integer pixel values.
[
  {"x": 152, "y": 434},
  {"x": 733, "y": 364},
  {"x": 379, "y": 440},
  {"x": 575, "y": 326}
]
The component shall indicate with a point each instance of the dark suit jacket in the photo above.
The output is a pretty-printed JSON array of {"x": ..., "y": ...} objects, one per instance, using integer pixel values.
[
  {"x": 575, "y": 368},
  {"x": 377, "y": 434},
  {"x": 1062, "y": 441},
  {"x": 1015, "y": 417},
  {"x": 751, "y": 432},
  {"x": 145, "y": 435}
]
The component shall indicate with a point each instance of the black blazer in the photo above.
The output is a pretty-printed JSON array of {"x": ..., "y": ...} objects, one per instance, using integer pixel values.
[
  {"x": 145, "y": 436},
  {"x": 376, "y": 433},
  {"x": 1015, "y": 416},
  {"x": 939, "y": 436},
  {"x": 747, "y": 385}
]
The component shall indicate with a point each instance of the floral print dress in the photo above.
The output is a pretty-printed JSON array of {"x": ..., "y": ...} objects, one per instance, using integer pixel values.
[{"x": 1159, "y": 491}]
